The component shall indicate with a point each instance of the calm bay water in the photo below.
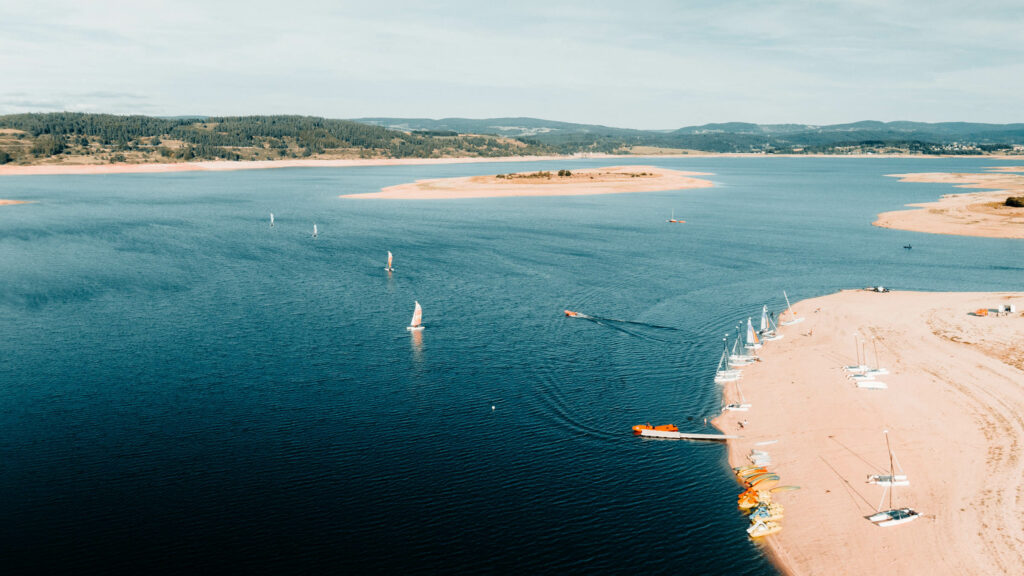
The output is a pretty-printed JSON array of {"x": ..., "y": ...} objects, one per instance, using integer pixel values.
[{"x": 183, "y": 386}]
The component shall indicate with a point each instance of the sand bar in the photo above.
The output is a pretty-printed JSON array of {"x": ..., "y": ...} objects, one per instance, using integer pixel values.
[
  {"x": 608, "y": 180},
  {"x": 954, "y": 409},
  {"x": 974, "y": 214},
  {"x": 9, "y": 202}
]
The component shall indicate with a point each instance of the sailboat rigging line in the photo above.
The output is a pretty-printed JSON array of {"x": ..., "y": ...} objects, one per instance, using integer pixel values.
[{"x": 849, "y": 487}]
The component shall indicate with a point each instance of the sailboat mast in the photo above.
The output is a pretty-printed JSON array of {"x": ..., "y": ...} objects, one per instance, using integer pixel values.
[
  {"x": 878, "y": 363},
  {"x": 892, "y": 472}
]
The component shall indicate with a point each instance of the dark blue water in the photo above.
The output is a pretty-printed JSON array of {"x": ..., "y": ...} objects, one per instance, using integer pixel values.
[{"x": 183, "y": 387}]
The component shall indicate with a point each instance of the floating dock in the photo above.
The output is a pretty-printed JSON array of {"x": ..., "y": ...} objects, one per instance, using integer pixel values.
[{"x": 686, "y": 436}]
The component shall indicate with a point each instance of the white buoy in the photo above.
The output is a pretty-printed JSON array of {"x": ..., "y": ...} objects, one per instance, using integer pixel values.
[{"x": 492, "y": 407}]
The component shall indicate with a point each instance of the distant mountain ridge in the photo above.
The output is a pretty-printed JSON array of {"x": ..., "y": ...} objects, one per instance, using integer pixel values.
[
  {"x": 729, "y": 136},
  {"x": 74, "y": 137}
]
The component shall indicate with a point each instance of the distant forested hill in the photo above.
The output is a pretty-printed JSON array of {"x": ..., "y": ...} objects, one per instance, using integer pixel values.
[
  {"x": 67, "y": 137},
  {"x": 29, "y": 138},
  {"x": 913, "y": 137}
]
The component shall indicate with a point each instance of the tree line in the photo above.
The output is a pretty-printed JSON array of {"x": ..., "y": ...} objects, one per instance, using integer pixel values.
[{"x": 231, "y": 137}]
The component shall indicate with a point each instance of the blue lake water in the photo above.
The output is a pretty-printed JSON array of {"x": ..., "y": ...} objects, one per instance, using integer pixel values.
[{"x": 183, "y": 387}]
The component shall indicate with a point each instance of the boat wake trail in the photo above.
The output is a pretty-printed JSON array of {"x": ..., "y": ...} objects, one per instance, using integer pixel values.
[
  {"x": 628, "y": 331},
  {"x": 629, "y": 327},
  {"x": 634, "y": 323}
]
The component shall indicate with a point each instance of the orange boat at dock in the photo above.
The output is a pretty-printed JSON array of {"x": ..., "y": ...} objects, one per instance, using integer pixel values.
[{"x": 639, "y": 428}]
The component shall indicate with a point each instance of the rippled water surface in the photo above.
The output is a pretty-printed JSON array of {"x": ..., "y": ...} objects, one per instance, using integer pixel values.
[{"x": 183, "y": 386}]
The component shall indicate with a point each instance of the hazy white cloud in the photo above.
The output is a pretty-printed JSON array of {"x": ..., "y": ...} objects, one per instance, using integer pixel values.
[{"x": 658, "y": 64}]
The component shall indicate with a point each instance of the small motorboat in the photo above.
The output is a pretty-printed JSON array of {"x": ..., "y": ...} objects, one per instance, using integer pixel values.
[
  {"x": 907, "y": 247},
  {"x": 638, "y": 429},
  {"x": 572, "y": 314}
]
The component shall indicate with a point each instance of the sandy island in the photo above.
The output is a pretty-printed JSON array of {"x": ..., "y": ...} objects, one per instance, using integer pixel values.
[
  {"x": 973, "y": 214},
  {"x": 954, "y": 410},
  {"x": 9, "y": 202},
  {"x": 608, "y": 180}
]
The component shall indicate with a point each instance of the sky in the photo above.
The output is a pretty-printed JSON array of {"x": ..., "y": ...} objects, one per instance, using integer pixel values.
[{"x": 639, "y": 64}]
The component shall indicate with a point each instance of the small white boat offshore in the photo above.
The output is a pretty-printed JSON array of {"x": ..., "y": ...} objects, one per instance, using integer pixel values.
[
  {"x": 417, "y": 319},
  {"x": 388, "y": 267},
  {"x": 673, "y": 220},
  {"x": 271, "y": 219},
  {"x": 792, "y": 318},
  {"x": 314, "y": 231}
]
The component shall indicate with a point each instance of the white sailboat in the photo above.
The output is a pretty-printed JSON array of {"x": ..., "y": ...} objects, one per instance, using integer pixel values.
[
  {"x": 741, "y": 405},
  {"x": 725, "y": 373},
  {"x": 877, "y": 370},
  {"x": 739, "y": 357},
  {"x": 417, "y": 319},
  {"x": 859, "y": 367},
  {"x": 793, "y": 319},
  {"x": 271, "y": 219},
  {"x": 892, "y": 516},
  {"x": 388, "y": 267},
  {"x": 314, "y": 231},
  {"x": 752, "y": 341},
  {"x": 768, "y": 331}
]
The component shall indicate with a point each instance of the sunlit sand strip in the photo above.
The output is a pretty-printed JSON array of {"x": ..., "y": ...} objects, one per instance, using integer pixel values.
[
  {"x": 608, "y": 180},
  {"x": 9, "y": 202},
  {"x": 224, "y": 165},
  {"x": 974, "y": 214},
  {"x": 954, "y": 409}
]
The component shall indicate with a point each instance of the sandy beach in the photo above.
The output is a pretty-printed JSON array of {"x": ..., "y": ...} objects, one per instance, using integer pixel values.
[
  {"x": 607, "y": 180},
  {"x": 954, "y": 409},
  {"x": 971, "y": 214},
  {"x": 225, "y": 165}
]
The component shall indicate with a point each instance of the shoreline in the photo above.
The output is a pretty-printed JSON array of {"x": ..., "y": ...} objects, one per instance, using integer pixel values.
[
  {"x": 12, "y": 202},
  {"x": 980, "y": 214},
  {"x": 953, "y": 409},
  {"x": 580, "y": 182},
  {"x": 229, "y": 165}
]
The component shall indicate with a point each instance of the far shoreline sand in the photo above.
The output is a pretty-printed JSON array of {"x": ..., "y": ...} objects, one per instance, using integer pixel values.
[
  {"x": 231, "y": 165},
  {"x": 12, "y": 202},
  {"x": 954, "y": 409},
  {"x": 981, "y": 214},
  {"x": 587, "y": 181}
]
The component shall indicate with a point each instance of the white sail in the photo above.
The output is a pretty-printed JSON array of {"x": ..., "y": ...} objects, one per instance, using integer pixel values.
[
  {"x": 417, "y": 318},
  {"x": 752, "y": 342},
  {"x": 725, "y": 373},
  {"x": 389, "y": 268},
  {"x": 314, "y": 231},
  {"x": 271, "y": 219}
]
